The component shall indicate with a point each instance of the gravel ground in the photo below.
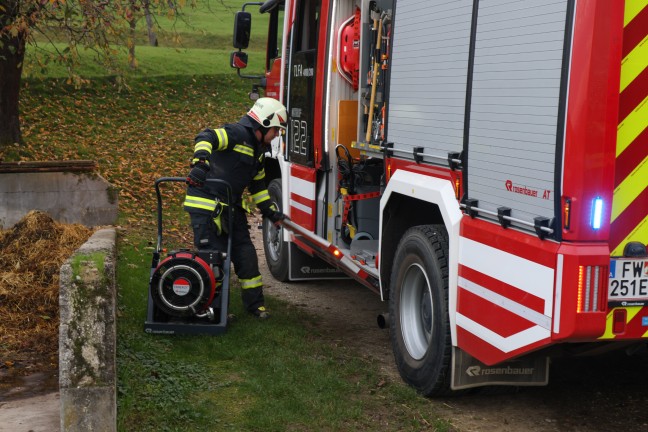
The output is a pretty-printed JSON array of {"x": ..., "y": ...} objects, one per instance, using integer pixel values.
[{"x": 605, "y": 393}]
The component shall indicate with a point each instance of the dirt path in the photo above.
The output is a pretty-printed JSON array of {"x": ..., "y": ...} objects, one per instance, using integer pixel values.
[{"x": 608, "y": 393}]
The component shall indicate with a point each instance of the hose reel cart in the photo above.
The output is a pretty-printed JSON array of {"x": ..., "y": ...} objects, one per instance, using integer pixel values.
[{"x": 188, "y": 290}]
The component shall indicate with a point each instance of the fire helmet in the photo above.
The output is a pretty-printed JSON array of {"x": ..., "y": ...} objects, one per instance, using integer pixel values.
[{"x": 269, "y": 112}]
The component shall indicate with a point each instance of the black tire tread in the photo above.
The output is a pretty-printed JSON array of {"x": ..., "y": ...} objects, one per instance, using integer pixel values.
[
  {"x": 279, "y": 269},
  {"x": 437, "y": 239}
]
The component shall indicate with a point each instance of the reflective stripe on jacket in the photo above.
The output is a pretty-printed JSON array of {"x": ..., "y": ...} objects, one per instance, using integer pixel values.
[{"x": 234, "y": 155}]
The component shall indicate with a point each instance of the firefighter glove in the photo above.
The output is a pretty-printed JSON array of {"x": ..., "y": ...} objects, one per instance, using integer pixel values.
[
  {"x": 272, "y": 215},
  {"x": 221, "y": 219},
  {"x": 198, "y": 174},
  {"x": 220, "y": 225}
]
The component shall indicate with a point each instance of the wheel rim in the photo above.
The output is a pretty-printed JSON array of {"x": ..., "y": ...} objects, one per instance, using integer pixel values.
[
  {"x": 273, "y": 236},
  {"x": 416, "y": 312}
]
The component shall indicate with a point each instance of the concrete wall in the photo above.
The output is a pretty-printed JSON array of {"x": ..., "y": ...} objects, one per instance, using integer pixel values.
[
  {"x": 87, "y": 337},
  {"x": 68, "y": 197}
]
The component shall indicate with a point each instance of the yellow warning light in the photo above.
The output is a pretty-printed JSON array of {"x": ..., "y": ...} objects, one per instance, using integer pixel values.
[
  {"x": 579, "y": 299},
  {"x": 567, "y": 213}
]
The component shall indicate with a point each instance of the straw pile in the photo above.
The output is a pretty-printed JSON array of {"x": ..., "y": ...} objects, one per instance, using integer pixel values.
[{"x": 31, "y": 255}]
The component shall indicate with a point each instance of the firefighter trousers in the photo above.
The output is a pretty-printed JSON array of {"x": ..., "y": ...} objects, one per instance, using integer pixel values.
[{"x": 244, "y": 257}]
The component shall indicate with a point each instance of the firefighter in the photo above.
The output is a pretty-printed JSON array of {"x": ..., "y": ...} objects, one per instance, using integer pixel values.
[{"x": 235, "y": 153}]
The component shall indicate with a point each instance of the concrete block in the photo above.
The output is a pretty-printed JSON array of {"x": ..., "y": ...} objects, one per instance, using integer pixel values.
[
  {"x": 88, "y": 409},
  {"x": 68, "y": 197},
  {"x": 87, "y": 336}
]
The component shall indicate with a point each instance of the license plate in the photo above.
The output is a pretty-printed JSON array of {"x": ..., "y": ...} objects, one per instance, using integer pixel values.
[{"x": 628, "y": 282}]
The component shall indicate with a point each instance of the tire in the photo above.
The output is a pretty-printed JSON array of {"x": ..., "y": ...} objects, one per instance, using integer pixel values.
[
  {"x": 275, "y": 248},
  {"x": 418, "y": 307}
]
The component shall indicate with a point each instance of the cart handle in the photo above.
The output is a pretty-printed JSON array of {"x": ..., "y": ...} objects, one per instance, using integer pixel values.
[{"x": 183, "y": 180}]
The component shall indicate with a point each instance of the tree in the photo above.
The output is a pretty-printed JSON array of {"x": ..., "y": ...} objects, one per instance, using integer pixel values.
[
  {"x": 153, "y": 41},
  {"x": 13, "y": 37},
  {"x": 100, "y": 25}
]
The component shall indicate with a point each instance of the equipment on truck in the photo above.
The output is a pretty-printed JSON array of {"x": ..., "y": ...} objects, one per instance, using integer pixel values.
[
  {"x": 473, "y": 163},
  {"x": 188, "y": 290},
  {"x": 358, "y": 188}
]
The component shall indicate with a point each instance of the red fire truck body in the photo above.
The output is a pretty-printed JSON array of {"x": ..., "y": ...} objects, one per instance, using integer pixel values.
[{"x": 480, "y": 164}]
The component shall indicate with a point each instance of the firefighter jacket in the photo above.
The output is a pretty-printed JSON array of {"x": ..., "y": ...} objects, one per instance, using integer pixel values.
[{"x": 234, "y": 155}]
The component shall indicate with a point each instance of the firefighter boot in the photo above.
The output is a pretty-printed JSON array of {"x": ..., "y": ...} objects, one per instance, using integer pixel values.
[{"x": 261, "y": 312}]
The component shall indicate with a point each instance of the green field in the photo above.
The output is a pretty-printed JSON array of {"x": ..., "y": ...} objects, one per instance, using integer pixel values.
[{"x": 192, "y": 41}]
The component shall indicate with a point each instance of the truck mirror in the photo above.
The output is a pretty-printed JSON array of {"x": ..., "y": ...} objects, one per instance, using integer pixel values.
[
  {"x": 238, "y": 59},
  {"x": 242, "y": 25}
]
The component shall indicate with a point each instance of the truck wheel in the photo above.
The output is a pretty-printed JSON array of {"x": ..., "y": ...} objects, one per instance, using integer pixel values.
[
  {"x": 418, "y": 306},
  {"x": 276, "y": 250}
]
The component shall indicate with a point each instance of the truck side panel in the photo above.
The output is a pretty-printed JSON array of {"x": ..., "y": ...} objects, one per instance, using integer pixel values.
[
  {"x": 427, "y": 95},
  {"x": 590, "y": 126},
  {"x": 510, "y": 316},
  {"x": 505, "y": 291},
  {"x": 515, "y": 105}
]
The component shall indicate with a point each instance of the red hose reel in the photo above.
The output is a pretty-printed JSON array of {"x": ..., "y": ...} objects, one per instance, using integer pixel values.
[{"x": 349, "y": 49}]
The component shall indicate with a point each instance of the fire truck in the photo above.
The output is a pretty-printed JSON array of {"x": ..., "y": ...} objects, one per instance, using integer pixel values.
[{"x": 482, "y": 165}]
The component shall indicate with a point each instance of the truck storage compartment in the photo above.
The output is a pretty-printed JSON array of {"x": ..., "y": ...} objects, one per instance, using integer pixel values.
[
  {"x": 359, "y": 189},
  {"x": 368, "y": 175}
]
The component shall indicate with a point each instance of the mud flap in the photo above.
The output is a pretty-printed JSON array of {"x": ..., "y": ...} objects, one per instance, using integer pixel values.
[
  {"x": 304, "y": 266},
  {"x": 469, "y": 372}
]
